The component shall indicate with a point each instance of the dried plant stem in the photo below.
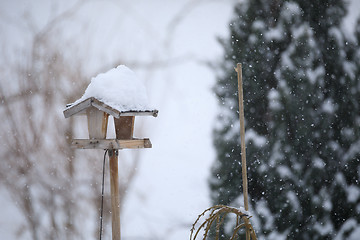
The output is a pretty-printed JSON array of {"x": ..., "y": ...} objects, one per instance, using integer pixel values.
[
  {"x": 242, "y": 139},
  {"x": 218, "y": 214},
  {"x": 242, "y": 136}
]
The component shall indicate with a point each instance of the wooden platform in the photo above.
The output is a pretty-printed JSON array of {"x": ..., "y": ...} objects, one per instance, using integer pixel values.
[{"x": 111, "y": 143}]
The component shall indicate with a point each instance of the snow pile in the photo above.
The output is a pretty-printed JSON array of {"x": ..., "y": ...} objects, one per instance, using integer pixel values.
[{"x": 119, "y": 88}]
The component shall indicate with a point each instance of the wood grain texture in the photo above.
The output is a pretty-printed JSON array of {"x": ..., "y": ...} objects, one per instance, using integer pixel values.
[
  {"x": 124, "y": 127},
  {"x": 111, "y": 143},
  {"x": 115, "y": 197},
  {"x": 97, "y": 123}
]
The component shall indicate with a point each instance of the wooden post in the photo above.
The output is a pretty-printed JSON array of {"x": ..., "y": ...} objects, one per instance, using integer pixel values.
[
  {"x": 115, "y": 198},
  {"x": 238, "y": 69}
]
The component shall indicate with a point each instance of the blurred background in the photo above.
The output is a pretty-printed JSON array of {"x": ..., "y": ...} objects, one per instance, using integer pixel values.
[{"x": 49, "y": 52}]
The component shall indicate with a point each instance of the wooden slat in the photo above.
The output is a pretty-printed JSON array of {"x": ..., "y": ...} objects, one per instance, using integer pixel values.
[
  {"x": 153, "y": 113},
  {"x": 124, "y": 127},
  {"x": 111, "y": 143},
  {"x": 97, "y": 123},
  {"x": 103, "y": 107},
  {"x": 68, "y": 112}
]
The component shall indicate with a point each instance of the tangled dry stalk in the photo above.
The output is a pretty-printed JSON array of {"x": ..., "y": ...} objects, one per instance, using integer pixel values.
[{"x": 218, "y": 214}]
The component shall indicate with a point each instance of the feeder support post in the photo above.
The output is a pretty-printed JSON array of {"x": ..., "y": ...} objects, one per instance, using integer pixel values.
[{"x": 115, "y": 197}]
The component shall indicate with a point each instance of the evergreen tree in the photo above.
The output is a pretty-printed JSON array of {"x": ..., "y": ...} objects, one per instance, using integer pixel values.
[{"x": 301, "y": 92}]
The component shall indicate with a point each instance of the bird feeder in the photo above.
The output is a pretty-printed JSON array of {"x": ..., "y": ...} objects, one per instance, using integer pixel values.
[
  {"x": 115, "y": 93},
  {"x": 97, "y": 114}
]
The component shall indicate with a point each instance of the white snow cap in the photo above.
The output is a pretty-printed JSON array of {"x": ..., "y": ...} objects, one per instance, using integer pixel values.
[{"x": 119, "y": 88}]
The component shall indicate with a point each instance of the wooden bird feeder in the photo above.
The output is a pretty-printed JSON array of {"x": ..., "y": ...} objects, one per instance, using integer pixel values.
[{"x": 97, "y": 114}]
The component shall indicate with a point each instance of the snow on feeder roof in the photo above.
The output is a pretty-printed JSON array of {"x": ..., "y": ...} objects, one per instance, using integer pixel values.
[{"x": 119, "y": 93}]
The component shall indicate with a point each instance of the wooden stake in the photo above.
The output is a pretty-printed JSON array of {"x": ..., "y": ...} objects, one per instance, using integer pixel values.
[
  {"x": 115, "y": 198},
  {"x": 238, "y": 69}
]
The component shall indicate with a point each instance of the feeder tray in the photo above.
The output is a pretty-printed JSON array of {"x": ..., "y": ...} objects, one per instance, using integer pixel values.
[{"x": 97, "y": 114}]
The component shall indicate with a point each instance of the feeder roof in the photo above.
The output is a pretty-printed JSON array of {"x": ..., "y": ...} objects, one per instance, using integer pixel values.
[{"x": 79, "y": 108}]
